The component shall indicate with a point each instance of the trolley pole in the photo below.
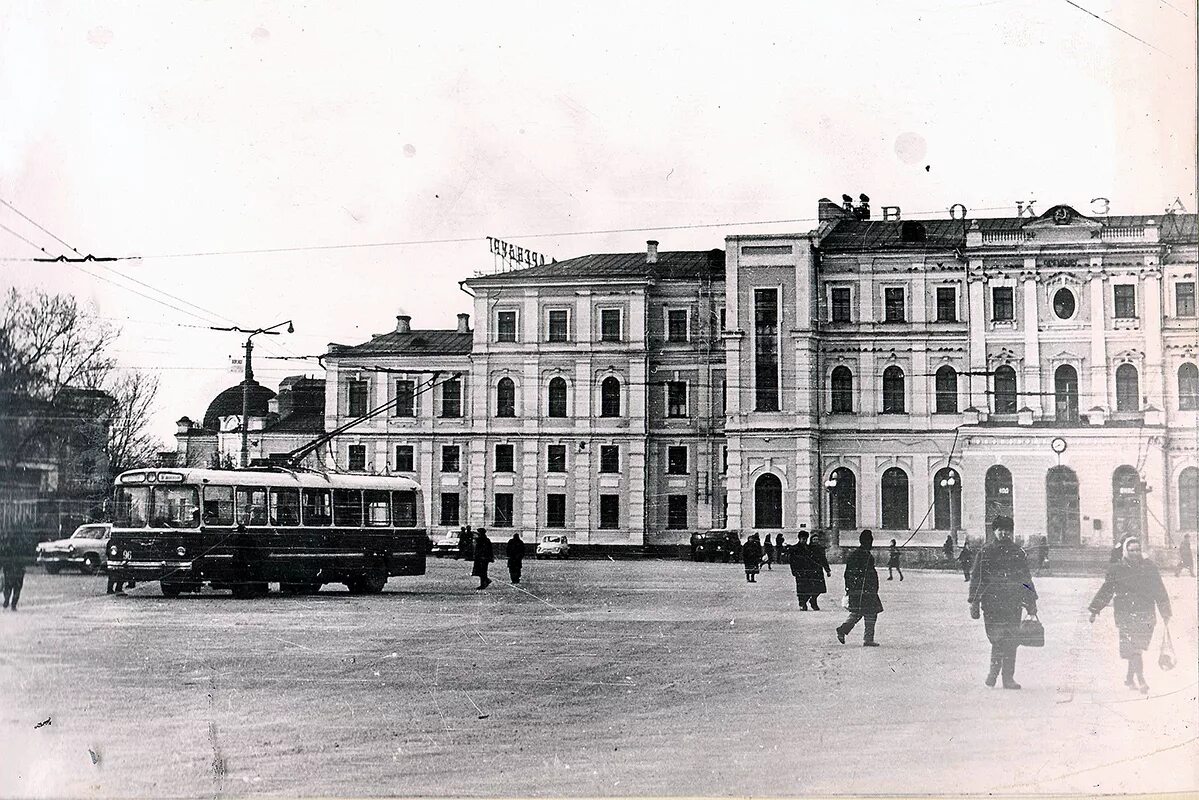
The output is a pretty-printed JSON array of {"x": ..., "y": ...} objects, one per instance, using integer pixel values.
[{"x": 244, "y": 457}]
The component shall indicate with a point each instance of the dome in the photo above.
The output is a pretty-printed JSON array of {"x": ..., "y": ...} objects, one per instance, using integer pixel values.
[{"x": 228, "y": 403}]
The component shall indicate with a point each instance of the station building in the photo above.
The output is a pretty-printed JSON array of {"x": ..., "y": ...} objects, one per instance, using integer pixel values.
[{"x": 917, "y": 377}]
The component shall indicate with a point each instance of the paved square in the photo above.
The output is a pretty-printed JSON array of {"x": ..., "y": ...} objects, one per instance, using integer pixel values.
[{"x": 594, "y": 678}]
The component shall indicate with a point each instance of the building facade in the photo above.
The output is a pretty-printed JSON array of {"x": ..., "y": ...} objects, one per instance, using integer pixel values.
[{"x": 918, "y": 377}]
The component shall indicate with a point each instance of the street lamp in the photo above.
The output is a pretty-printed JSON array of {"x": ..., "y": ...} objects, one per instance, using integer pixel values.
[
  {"x": 831, "y": 484},
  {"x": 947, "y": 484},
  {"x": 244, "y": 459}
]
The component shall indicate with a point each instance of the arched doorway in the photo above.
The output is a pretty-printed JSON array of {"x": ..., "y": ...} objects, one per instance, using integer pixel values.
[
  {"x": 997, "y": 488},
  {"x": 947, "y": 500},
  {"x": 768, "y": 502},
  {"x": 1065, "y": 393},
  {"x": 895, "y": 500},
  {"x": 843, "y": 499},
  {"x": 1061, "y": 507},
  {"x": 1128, "y": 506}
]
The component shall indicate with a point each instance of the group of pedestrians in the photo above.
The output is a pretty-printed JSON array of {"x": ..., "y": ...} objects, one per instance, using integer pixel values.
[{"x": 484, "y": 555}]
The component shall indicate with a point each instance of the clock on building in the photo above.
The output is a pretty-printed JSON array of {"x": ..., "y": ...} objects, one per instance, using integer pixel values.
[{"x": 1058, "y": 444}]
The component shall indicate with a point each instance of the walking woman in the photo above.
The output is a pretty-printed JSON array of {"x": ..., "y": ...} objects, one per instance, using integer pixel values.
[
  {"x": 751, "y": 553},
  {"x": 1134, "y": 587},
  {"x": 768, "y": 549}
]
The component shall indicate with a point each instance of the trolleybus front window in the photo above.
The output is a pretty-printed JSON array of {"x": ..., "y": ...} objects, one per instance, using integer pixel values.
[
  {"x": 175, "y": 507},
  {"x": 132, "y": 506}
]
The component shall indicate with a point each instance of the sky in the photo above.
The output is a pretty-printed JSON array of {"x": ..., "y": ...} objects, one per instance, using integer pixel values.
[{"x": 182, "y": 132}]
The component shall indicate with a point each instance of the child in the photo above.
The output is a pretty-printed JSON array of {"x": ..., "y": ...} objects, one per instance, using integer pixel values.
[{"x": 893, "y": 562}]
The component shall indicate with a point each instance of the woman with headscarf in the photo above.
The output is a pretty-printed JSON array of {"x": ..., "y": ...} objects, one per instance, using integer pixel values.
[
  {"x": 751, "y": 553},
  {"x": 1134, "y": 587}
]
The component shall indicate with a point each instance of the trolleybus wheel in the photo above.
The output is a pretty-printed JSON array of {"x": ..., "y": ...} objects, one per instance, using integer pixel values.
[
  {"x": 170, "y": 589},
  {"x": 90, "y": 565},
  {"x": 53, "y": 569}
]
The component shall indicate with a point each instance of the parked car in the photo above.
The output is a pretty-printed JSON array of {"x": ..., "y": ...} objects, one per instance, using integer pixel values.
[
  {"x": 713, "y": 545},
  {"x": 85, "y": 550},
  {"x": 446, "y": 546},
  {"x": 553, "y": 545}
]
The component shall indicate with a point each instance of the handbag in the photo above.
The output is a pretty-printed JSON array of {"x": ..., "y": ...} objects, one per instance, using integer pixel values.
[
  {"x": 1165, "y": 658},
  {"x": 1032, "y": 632}
]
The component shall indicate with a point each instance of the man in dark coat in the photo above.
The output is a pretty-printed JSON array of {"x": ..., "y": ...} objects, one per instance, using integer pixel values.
[
  {"x": 861, "y": 586},
  {"x": 464, "y": 537},
  {"x": 516, "y": 556},
  {"x": 779, "y": 543},
  {"x": 966, "y": 559},
  {"x": 1139, "y": 595},
  {"x": 751, "y": 554},
  {"x": 999, "y": 586},
  {"x": 947, "y": 549},
  {"x": 809, "y": 566},
  {"x": 1186, "y": 559},
  {"x": 768, "y": 550},
  {"x": 12, "y": 561},
  {"x": 483, "y": 558}
]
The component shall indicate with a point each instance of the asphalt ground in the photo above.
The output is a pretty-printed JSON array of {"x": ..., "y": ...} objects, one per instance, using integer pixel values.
[{"x": 591, "y": 678}]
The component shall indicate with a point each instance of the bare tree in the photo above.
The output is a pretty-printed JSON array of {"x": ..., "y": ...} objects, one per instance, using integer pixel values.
[{"x": 130, "y": 443}]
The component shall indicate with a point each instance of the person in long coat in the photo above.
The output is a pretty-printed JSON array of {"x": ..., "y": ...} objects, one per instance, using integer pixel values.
[
  {"x": 779, "y": 552},
  {"x": 947, "y": 549},
  {"x": 861, "y": 586},
  {"x": 483, "y": 558},
  {"x": 999, "y": 586},
  {"x": 751, "y": 554},
  {"x": 966, "y": 559},
  {"x": 516, "y": 556},
  {"x": 1186, "y": 559},
  {"x": 809, "y": 567},
  {"x": 12, "y": 562},
  {"x": 1135, "y": 589},
  {"x": 768, "y": 550}
]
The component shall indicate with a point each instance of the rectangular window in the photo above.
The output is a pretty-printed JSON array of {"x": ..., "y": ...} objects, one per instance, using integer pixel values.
[
  {"x": 451, "y": 398},
  {"x": 557, "y": 458},
  {"x": 676, "y": 325},
  {"x": 404, "y": 458},
  {"x": 609, "y": 517},
  {"x": 676, "y": 460},
  {"x": 555, "y": 511},
  {"x": 609, "y": 458},
  {"x": 503, "y": 510},
  {"x": 405, "y": 398},
  {"x": 1125, "y": 296},
  {"x": 285, "y": 507},
  {"x": 724, "y": 460},
  {"x": 347, "y": 508},
  {"x": 1003, "y": 304},
  {"x": 218, "y": 505},
  {"x": 893, "y": 305},
  {"x": 450, "y": 458},
  {"x": 505, "y": 458},
  {"x": 317, "y": 507},
  {"x": 357, "y": 457},
  {"x": 676, "y": 398},
  {"x": 251, "y": 506},
  {"x": 766, "y": 349},
  {"x": 505, "y": 326},
  {"x": 841, "y": 299},
  {"x": 403, "y": 509},
  {"x": 449, "y": 509},
  {"x": 559, "y": 325},
  {"x": 721, "y": 314},
  {"x": 610, "y": 325},
  {"x": 676, "y": 512},
  {"x": 1184, "y": 299},
  {"x": 724, "y": 396},
  {"x": 947, "y": 304},
  {"x": 378, "y": 508},
  {"x": 359, "y": 397}
]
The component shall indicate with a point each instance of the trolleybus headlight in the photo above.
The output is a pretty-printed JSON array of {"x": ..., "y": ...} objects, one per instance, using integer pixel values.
[
  {"x": 112, "y": 551},
  {"x": 181, "y": 552}
]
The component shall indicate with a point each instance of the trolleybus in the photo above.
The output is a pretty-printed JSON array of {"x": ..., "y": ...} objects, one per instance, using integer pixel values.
[{"x": 243, "y": 529}]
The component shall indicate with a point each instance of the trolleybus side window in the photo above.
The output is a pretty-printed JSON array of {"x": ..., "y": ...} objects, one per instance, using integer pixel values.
[
  {"x": 132, "y": 506},
  {"x": 378, "y": 508},
  {"x": 285, "y": 507},
  {"x": 403, "y": 509},
  {"x": 318, "y": 507},
  {"x": 175, "y": 507},
  {"x": 347, "y": 508},
  {"x": 218, "y": 505},
  {"x": 251, "y": 506}
]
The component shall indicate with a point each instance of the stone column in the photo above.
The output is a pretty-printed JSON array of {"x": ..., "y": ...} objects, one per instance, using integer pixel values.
[
  {"x": 1096, "y": 280},
  {"x": 976, "y": 286},
  {"x": 1151, "y": 290},
  {"x": 1031, "y": 379}
]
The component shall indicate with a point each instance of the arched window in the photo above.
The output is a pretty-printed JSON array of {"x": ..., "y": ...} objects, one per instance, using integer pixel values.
[
  {"x": 1188, "y": 387},
  {"x": 947, "y": 390},
  {"x": 1005, "y": 390},
  {"x": 505, "y": 398},
  {"x": 1128, "y": 493},
  {"x": 557, "y": 405},
  {"x": 610, "y": 397},
  {"x": 1061, "y": 510},
  {"x": 895, "y": 499},
  {"x": 893, "y": 392},
  {"x": 1065, "y": 393},
  {"x": 768, "y": 502},
  {"x": 997, "y": 487},
  {"x": 842, "y": 381},
  {"x": 1128, "y": 390},
  {"x": 947, "y": 500},
  {"x": 1188, "y": 499},
  {"x": 842, "y": 499}
]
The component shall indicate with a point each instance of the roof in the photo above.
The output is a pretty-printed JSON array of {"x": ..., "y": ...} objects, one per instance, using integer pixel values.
[
  {"x": 671, "y": 265},
  {"x": 946, "y": 234},
  {"x": 228, "y": 403},
  {"x": 307, "y": 420},
  {"x": 446, "y": 343},
  {"x": 268, "y": 477}
]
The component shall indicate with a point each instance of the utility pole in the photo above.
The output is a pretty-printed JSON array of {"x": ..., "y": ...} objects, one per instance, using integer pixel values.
[{"x": 244, "y": 458}]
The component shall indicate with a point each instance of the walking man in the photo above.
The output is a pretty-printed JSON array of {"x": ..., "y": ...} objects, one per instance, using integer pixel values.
[
  {"x": 483, "y": 558},
  {"x": 999, "y": 586},
  {"x": 809, "y": 566},
  {"x": 966, "y": 559},
  {"x": 778, "y": 547},
  {"x": 751, "y": 554},
  {"x": 861, "y": 586},
  {"x": 947, "y": 549},
  {"x": 893, "y": 562},
  {"x": 516, "y": 557},
  {"x": 12, "y": 561},
  {"x": 1186, "y": 559},
  {"x": 768, "y": 551}
]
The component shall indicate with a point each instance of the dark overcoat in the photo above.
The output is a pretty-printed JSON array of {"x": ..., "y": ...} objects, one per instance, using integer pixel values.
[
  {"x": 808, "y": 565},
  {"x": 751, "y": 553},
  {"x": 483, "y": 556},
  {"x": 1134, "y": 589},
  {"x": 861, "y": 583},
  {"x": 1001, "y": 582},
  {"x": 516, "y": 550}
]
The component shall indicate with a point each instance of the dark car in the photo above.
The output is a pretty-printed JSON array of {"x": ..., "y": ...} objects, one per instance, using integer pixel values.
[{"x": 714, "y": 545}]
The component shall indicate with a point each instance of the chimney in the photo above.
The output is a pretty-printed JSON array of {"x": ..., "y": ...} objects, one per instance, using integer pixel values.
[
  {"x": 464, "y": 323},
  {"x": 651, "y": 252},
  {"x": 403, "y": 323},
  {"x": 827, "y": 210},
  {"x": 183, "y": 425}
]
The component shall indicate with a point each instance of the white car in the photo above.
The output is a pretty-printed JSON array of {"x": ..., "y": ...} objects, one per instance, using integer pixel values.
[
  {"x": 553, "y": 545},
  {"x": 446, "y": 546},
  {"x": 85, "y": 550}
]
